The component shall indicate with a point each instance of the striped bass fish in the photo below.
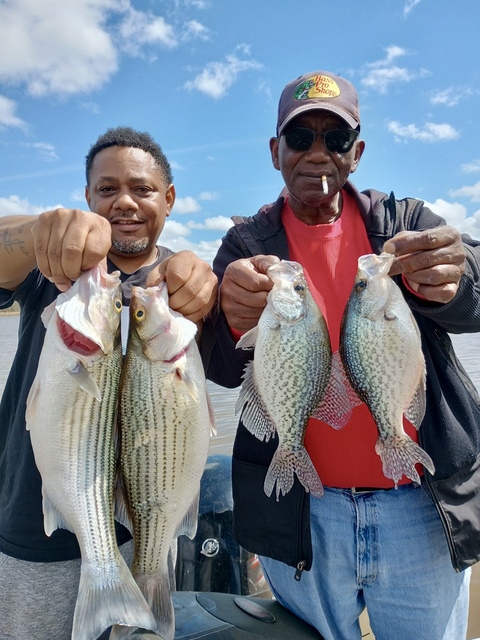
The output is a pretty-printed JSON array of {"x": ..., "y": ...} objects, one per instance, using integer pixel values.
[
  {"x": 285, "y": 382},
  {"x": 382, "y": 353},
  {"x": 70, "y": 415},
  {"x": 165, "y": 422}
]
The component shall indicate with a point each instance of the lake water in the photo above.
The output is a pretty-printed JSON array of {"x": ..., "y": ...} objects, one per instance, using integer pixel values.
[
  {"x": 223, "y": 400},
  {"x": 467, "y": 347}
]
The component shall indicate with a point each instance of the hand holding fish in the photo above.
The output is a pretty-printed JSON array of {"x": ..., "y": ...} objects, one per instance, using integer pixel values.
[
  {"x": 432, "y": 261},
  {"x": 68, "y": 242},
  {"x": 243, "y": 294},
  {"x": 191, "y": 283}
]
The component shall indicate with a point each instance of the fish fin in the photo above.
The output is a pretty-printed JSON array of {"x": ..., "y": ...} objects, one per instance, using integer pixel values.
[
  {"x": 52, "y": 518},
  {"x": 399, "y": 456},
  {"x": 188, "y": 526},
  {"x": 188, "y": 381},
  {"x": 120, "y": 504},
  {"x": 157, "y": 593},
  {"x": 339, "y": 399},
  {"x": 248, "y": 340},
  {"x": 48, "y": 312},
  {"x": 104, "y": 600},
  {"x": 171, "y": 563},
  {"x": 32, "y": 399},
  {"x": 285, "y": 463},
  {"x": 251, "y": 406},
  {"x": 211, "y": 416},
  {"x": 85, "y": 381},
  {"x": 415, "y": 411}
]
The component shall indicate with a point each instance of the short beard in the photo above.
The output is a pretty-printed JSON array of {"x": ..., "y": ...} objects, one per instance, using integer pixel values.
[{"x": 130, "y": 246}]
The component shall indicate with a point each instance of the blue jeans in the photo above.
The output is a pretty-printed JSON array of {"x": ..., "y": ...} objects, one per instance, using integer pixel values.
[{"x": 384, "y": 550}]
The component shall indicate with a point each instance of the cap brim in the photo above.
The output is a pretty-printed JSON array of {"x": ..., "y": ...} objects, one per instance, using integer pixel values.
[{"x": 350, "y": 120}]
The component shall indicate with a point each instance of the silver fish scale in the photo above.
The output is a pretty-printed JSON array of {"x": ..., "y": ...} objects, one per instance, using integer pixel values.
[
  {"x": 384, "y": 360},
  {"x": 77, "y": 465},
  {"x": 158, "y": 457},
  {"x": 381, "y": 350},
  {"x": 71, "y": 409},
  {"x": 289, "y": 374},
  {"x": 95, "y": 464},
  {"x": 285, "y": 382},
  {"x": 165, "y": 435}
]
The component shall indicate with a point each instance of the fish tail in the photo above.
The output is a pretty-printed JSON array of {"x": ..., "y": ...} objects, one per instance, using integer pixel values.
[
  {"x": 285, "y": 463},
  {"x": 399, "y": 455},
  {"x": 156, "y": 590},
  {"x": 102, "y": 602}
]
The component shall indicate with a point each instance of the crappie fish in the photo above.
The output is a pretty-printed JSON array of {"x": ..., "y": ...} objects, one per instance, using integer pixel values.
[
  {"x": 165, "y": 424},
  {"x": 381, "y": 349},
  {"x": 71, "y": 414},
  {"x": 285, "y": 381}
]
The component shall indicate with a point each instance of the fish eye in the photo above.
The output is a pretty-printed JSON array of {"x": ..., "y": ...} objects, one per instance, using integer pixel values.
[
  {"x": 299, "y": 287},
  {"x": 361, "y": 285},
  {"x": 139, "y": 315},
  {"x": 118, "y": 304}
]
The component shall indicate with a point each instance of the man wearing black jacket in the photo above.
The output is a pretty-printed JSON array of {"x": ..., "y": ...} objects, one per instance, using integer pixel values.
[{"x": 403, "y": 553}]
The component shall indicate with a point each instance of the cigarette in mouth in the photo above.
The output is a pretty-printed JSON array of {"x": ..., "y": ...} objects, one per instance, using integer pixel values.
[{"x": 325, "y": 185}]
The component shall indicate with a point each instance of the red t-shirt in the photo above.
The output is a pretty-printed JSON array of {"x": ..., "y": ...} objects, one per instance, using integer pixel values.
[{"x": 329, "y": 255}]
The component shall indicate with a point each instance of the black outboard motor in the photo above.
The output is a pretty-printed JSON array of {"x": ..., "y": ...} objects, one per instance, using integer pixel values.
[
  {"x": 221, "y": 591},
  {"x": 213, "y": 561}
]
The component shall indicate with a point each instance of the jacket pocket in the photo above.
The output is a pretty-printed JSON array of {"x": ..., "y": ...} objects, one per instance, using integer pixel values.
[
  {"x": 459, "y": 499},
  {"x": 278, "y": 530}
]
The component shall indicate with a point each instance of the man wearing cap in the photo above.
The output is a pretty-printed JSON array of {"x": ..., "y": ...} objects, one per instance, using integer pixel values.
[{"x": 403, "y": 553}]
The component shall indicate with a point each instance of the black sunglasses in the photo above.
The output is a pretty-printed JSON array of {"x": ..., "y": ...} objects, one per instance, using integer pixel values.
[{"x": 335, "y": 140}]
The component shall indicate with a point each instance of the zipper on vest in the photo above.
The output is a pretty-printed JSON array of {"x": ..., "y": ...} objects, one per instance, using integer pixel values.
[{"x": 300, "y": 568}]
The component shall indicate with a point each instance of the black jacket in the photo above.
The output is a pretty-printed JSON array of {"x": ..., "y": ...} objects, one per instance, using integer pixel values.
[{"x": 450, "y": 431}]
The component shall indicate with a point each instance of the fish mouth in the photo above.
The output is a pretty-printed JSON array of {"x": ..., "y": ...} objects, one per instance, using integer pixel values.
[{"x": 76, "y": 341}]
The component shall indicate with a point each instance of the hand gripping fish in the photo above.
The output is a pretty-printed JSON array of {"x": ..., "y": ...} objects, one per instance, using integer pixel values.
[
  {"x": 70, "y": 414},
  {"x": 165, "y": 425},
  {"x": 381, "y": 349},
  {"x": 285, "y": 381}
]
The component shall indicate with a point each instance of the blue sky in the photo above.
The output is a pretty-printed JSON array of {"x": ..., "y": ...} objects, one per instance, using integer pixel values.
[{"x": 204, "y": 77}]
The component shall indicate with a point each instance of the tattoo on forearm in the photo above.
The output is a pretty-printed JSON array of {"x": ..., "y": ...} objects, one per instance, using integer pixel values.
[{"x": 12, "y": 239}]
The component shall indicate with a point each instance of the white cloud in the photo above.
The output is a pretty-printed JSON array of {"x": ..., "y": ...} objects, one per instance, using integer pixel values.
[
  {"x": 208, "y": 195},
  {"x": 173, "y": 230},
  {"x": 452, "y": 96},
  {"x": 16, "y": 206},
  {"x": 381, "y": 79},
  {"x": 472, "y": 192},
  {"x": 186, "y": 205},
  {"x": 78, "y": 196},
  {"x": 409, "y": 5},
  {"x": 47, "y": 151},
  {"x": 448, "y": 97},
  {"x": 7, "y": 114},
  {"x": 455, "y": 214},
  {"x": 217, "y": 77},
  {"x": 217, "y": 223},
  {"x": 36, "y": 49},
  {"x": 138, "y": 28},
  {"x": 471, "y": 167},
  {"x": 382, "y": 73},
  {"x": 206, "y": 250},
  {"x": 194, "y": 29},
  {"x": 430, "y": 132}
]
